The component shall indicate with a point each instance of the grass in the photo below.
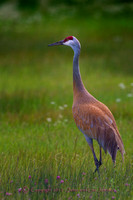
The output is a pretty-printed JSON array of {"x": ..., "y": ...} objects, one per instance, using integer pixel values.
[{"x": 35, "y": 151}]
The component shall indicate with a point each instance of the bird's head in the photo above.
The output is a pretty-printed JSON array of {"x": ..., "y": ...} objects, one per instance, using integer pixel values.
[{"x": 69, "y": 41}]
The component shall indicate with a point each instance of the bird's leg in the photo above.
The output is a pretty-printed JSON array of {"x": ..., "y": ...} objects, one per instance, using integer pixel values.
[
  {"x": 90, "y": 142},
  {"x": 100, "y": 160},
  {"x": 95, "y": 159}
]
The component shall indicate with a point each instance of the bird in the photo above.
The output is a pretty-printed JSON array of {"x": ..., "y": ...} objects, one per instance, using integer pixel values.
[{"x": 92, "y": 117}]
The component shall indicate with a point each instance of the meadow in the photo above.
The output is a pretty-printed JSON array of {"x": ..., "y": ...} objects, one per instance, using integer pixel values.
[{"x": 42, "y": 153}]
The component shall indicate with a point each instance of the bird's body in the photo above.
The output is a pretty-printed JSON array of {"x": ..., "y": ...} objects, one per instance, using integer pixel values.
[
  {"x": 96, "y": 121},
  {"x": 92, "y": 117}
]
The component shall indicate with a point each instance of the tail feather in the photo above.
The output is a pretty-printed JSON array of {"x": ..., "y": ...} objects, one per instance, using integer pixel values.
[
  {"x": 115, "y": 143},
  {"x": 120, "y": 145},
  {"x": 111, "y": 142}
]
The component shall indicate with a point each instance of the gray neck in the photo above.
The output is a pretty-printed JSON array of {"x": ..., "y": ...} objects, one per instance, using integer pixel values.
[{"x": 77, "y": 82}]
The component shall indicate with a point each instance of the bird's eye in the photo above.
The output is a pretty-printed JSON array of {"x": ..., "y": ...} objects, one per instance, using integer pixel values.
[{"x": 65, "y": 40}]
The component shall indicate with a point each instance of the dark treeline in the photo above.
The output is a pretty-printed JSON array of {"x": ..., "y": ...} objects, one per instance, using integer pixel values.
[{"x": 44, "y": 3}]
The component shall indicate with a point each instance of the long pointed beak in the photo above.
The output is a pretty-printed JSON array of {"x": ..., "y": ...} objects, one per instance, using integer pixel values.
[{"x": 56, "y": 43}]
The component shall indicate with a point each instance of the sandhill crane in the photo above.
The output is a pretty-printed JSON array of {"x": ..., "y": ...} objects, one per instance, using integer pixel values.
[{"x": 92, "y": 117}]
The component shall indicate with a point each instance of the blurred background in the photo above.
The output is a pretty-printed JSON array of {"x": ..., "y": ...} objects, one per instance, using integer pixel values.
[{"x": 33, "y": 75}]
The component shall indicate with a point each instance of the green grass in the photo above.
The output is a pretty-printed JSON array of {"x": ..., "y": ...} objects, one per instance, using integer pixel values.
[{"x": 32, "y": 76}]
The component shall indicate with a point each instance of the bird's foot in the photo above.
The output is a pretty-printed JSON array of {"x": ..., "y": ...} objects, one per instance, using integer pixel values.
[
  {"x": 98, "y": 164},
  {"x": 97, "y": 169}
]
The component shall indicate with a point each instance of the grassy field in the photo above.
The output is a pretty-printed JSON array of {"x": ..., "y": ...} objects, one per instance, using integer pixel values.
[{"x": 38, "y": 137}]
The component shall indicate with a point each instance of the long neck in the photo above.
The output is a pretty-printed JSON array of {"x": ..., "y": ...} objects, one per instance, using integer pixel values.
[{"x": 77, "y": 82}]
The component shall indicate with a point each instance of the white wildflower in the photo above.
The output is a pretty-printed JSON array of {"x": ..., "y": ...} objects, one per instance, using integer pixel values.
[
  {"x": 118, "y": 100},
  {"x": 65, "y": 120},
  {"x": 60, "y": 116},
  {"x": 65, "y": 105},
  {"x": 131, "y": 84},
  {"x": 52, "y": 102},
  {"x": 61, "y": 108},
  {"x": 129, "y": 95},
  {"x": 49, "y": 119},
  {"x": 122, "y": 86}
]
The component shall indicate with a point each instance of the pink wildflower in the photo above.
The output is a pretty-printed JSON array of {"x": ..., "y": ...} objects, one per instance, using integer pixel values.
[
  {"x": 58, "y": 177},
  {"x": 126, "y": 184},
  {"x": 78, "y": 195},
  {"x": 46, "y": 180},
  {"x": 20, "y": 189},
  {"x": 29, "y": 177},
  {"x": 61, "y": 181},
  {"x": 8, "y": 194}
]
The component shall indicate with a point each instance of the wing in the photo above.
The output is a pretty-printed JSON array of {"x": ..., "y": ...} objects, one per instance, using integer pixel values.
[{"x": 109, "y": 115}]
